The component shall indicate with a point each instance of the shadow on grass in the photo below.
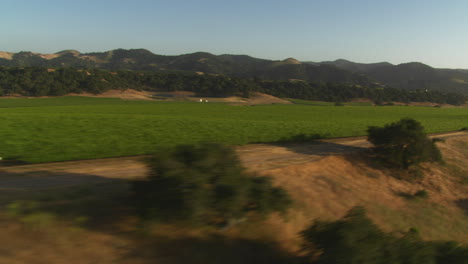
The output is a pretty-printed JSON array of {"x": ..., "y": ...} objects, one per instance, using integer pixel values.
[
  {"x": 298, "y": 138},
  {"x": 366, "y": 158},
  {"x": 12, "y": 161},
  {"x": 35, "y": 180},
  {"x": 320, "y": 148},
  {"x": 419, "y": 195},
  {"x": 102, "y": 205},
  {"x": 463, "y": 204},
  {"x": 67, "y": 196},
  {"x": 311, "y": 144},
  {"x": 215, "y": 249},
  {"x": 405, "y": 195}
]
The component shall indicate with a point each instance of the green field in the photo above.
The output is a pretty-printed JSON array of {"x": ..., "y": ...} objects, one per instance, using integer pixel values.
[{"x": 69, "y": 128}]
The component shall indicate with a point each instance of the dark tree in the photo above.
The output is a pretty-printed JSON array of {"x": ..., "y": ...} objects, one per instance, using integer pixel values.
[
  {"x": 403, "y": 143},
  {"x": 355, "y": 239},
  {"x": 351, "y": 240},
  {"x": 451, "y": 253},
  {"x": 204, "y": 184}
]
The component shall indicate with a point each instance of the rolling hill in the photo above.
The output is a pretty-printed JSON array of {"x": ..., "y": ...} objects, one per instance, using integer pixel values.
[
  {"x": 412, "y": 76},
  {"x": 141, "y": 59}
]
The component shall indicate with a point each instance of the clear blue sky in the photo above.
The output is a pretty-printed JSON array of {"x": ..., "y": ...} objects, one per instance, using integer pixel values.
[{"x": 432, "y": 32}]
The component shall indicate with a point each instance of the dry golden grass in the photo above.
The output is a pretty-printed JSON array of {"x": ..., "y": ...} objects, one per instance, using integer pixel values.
[
  {"x": 329, "y": 188},
  {"x": 127, "y": 94},
  {"x": 6, "y": 55},
  {"x": 324, "y": 187},
  {"x": 56, "y": 243}
]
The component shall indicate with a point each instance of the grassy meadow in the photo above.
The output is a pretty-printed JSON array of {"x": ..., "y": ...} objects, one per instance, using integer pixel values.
[{"x": 70, "y": 128}]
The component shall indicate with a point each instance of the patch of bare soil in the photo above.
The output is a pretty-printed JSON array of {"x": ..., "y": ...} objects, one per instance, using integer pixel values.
[
  {"x": 128, "y": 94},
  {"x": 6, "y": 55},
  {"x": 57, "y": 244},
  {"x": 49, "y": 56},
  {"x": 261, "y": 98},
  {"x": 61, "y": 174},
  {"x": 256, "y": 98},
  {"x": 13, "y": 96}
]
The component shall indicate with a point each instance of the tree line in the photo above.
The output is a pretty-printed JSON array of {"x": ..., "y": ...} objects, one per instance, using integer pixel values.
[{"x": 36, "y": 81}]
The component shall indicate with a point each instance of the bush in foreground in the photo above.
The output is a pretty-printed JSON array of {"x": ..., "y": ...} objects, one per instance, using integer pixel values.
[
  {"x": 403, "y": 144},
  {"x": 355, "y": 239},
  {"x": 204, "y": 184}
]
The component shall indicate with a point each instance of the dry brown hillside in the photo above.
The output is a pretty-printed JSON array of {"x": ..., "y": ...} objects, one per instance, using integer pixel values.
[
  {"x": 327, "y": 189},
  {"x": 130, "y": 94},
  {"x": 84, "y": 218}
]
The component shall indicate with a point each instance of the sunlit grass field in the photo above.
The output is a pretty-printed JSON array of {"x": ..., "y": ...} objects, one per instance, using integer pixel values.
[{"x": 70, "y": 128}]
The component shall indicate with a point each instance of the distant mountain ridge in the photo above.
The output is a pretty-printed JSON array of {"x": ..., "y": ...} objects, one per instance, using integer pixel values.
[
  {"x": 412, "y": 75},
  {"x": 144, "y": 60},
  {"x": 406, "y": 76}
]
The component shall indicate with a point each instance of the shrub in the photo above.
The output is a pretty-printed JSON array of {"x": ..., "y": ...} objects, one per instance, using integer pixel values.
[
  {"x": 29, "y": 213},
  {"x": 378, "y": 102},
  {"x": 421, "y": 194},
  {"x": 204, "y": 184},
  {"x": 355, "y": 239},
  {"x": 451, "y": 253},
  {"x": 22, "y": 207},
  {"x": 403, "y": 143},
  {"x": 435, "y": 140}
]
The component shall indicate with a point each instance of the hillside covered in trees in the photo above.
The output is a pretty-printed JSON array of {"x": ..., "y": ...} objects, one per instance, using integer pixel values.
[
  {"x": 413, "y": 75},
  {"x": 409, "y": 76},
  {"x": 144, "y": 60},
  {"x": 35, "y": 81}
]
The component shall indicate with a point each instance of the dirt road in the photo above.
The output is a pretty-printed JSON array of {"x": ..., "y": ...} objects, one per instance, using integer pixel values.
[{"x": 256, "y": 157}]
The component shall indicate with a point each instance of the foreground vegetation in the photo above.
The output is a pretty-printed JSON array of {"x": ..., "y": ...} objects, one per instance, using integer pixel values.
[
  {"x": 403, "y": 144},
  {"x": 356, "y": 239},
  {"x": 204, "y": 185},
  {"x": 70, "y": 128},
  {"x": 199, "y": 205}
]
